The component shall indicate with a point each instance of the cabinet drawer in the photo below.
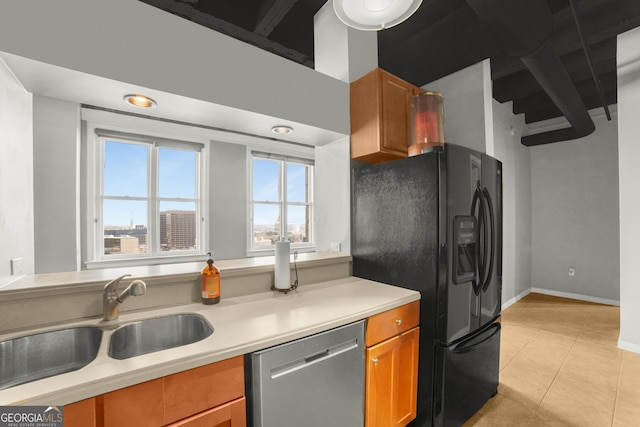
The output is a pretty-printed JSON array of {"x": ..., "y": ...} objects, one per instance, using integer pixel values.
[
  {"x": 392, "y": 322},
  {"x": 198, "y": 389}
]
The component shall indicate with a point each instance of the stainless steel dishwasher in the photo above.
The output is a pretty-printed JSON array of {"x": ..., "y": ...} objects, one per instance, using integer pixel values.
[{"x": 315, "y": 381}]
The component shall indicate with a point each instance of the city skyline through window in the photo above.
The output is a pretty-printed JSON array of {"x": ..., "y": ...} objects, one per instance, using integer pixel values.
[
  {"x": 149, "y": 200},
  {"x": 282, "y": 197}
]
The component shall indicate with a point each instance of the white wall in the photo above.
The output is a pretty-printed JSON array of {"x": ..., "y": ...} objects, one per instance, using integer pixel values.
[
  {"x": 464, "y": 106},
  {"x": 516, "y": 201},
  {"x": 56, "y": 180},
  {"x": 132, "y": 42},
  {"x": 16, "y": 176},
  {"x": 628, "y": 57},
  {"x": 332, "y": 196},
  {"x": 574, "y": 187}
]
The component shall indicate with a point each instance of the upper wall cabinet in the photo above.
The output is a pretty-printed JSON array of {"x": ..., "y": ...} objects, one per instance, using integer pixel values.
[{"x": 379, "y": 117}]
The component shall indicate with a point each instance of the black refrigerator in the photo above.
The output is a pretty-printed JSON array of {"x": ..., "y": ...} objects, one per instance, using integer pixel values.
[{"x": 433, "y": 223}]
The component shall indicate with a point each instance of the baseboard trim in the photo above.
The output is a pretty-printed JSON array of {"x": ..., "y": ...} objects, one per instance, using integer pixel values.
[
  {"x": 576, "y": 296},
  {"x": 629, "y": 346},
  {"x": 515, "y": 299}
]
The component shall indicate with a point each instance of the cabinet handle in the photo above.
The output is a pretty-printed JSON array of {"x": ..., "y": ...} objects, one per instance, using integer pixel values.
[
  {"x": 375, "y": 360},
  {"x": 398, "y": 322}
]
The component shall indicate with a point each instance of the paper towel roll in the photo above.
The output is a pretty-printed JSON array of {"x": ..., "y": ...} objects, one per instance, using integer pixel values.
[{"x": 282, "y": 269}]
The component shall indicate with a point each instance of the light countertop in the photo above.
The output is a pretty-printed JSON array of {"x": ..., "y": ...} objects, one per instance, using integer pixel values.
[{"x": 241, "y": 325}]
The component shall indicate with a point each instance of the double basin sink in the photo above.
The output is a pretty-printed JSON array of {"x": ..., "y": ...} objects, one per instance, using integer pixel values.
[{"x": 34, "y": 357}]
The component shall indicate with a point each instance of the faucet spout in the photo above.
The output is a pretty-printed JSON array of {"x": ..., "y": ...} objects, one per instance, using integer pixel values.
[
  {"x": 135, "y": 288},
  {"x": 111, "y": 299}
]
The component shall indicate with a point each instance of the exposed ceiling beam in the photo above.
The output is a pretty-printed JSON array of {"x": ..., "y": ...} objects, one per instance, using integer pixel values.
[
  {"x": 586, "y": 88},
  {"x": 189, "y": 12},
  {"x": 270, "y": 15},
  {"x": 602, "y": 21},
  {"x": 522, "y": 84},
  {"x": 423, "y": 58}
]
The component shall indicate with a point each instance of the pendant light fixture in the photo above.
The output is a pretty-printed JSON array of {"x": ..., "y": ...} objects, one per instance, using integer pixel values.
[{"x": 374, "y": 15}]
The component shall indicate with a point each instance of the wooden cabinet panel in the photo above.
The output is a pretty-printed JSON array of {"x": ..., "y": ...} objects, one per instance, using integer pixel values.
[
  {"x": 159, "y": 402},
  {"x": 395, "y": 114},
  {"x": 135, "y": 406},
  {"x": 198, "y": 389},
  {"x": 392, "y": 322},
  {"x": 80, "y": 414},
  {"x": 379, "y": 105},
  {"x": 392, "y": 381},
  {"x": 232, "y": 414}
]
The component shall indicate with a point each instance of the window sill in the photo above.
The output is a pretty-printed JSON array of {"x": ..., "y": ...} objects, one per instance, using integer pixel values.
[
  {"x": 133, "y": 262},
  {"x": 272, "y": 251}
]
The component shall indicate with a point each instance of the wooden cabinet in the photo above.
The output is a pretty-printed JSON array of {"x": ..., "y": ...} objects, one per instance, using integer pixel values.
[
  {"x": 232, "y": 414},
  {"x": 80, "y": 414},
  {"x": 211, "y": 396},
  {"x": 391, "y": 372},
  {"x": 379, "y": 107}
]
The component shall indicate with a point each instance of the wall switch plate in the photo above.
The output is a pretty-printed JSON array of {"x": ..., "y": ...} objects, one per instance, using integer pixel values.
[
  {"x": 334, "y": 247},
  {"x": 16, "y": 267},
  {"x": 572, "y": 271}
]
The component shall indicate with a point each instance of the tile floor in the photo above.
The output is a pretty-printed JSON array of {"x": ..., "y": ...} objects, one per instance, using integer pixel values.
[{"x": 560, "y": 366}]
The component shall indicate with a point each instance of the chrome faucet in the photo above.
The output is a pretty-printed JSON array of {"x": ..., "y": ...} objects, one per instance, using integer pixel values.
[{"x": 111, "y": 300}]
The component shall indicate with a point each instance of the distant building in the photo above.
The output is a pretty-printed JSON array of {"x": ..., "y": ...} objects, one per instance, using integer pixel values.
[
  {"x": 139, "y": 231},
  {"x": 121, "y": 245},
  {"x": 177, "y": 230}
]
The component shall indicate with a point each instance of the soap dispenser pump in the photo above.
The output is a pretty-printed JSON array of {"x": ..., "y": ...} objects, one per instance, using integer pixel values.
[{"x": 210, "y": 276}]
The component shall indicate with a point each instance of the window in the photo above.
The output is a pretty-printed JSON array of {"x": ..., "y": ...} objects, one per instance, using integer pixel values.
[
  {"x": 149, "y": 200},
  {"x": 281, "y": 201}
]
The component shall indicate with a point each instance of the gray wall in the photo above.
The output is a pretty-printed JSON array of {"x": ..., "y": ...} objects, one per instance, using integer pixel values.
[
  {"x": 464, "y": 106},
  {"x": 574, "y": 188},
  {"x": 56, "y": 157},
  {"x": 228, "y": 200},
  {"x": 16, "y": 176}
]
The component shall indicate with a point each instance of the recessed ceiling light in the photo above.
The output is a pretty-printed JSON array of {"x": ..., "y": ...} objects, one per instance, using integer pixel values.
[
  {"x": 138, "y": 100},
  {"x": 281, "y": 129}
]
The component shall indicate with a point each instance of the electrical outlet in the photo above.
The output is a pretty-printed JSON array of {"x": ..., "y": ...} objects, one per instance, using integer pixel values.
[
  {"x": 16, "y": 267},
  {"x": 572, "y": 271}
]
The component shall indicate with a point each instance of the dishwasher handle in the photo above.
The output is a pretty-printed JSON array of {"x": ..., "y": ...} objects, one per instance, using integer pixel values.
[{"x": 312, "y": 359}]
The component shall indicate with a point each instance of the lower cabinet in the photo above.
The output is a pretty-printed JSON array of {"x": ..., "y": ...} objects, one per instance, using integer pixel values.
[
  {"x": 232, "y": 414},
  {"x": 80, "y": 414},
  {"x": 391, "y": 370},
  {"x": 392, "y": 381},
  {"x": 211, "y": 396}
]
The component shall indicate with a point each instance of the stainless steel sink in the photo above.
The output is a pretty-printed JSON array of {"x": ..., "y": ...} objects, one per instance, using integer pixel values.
[
  {"x": 156, "y": 334},
  {"x": 38, "y": 356}
]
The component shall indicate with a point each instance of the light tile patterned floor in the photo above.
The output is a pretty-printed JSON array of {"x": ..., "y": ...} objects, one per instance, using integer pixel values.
[{"x": 560, "y": 366}]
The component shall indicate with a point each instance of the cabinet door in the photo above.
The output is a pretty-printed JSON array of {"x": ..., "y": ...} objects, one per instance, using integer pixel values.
[
  {"x": 231, "y": 414},
  {"x": 395, "y": 114},
  {"x": 80, "y": 414},
  {"x": 392, "y": 381}
]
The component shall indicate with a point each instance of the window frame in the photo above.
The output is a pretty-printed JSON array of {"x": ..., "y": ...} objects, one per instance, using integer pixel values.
[
  {"x": 283, "y": 203},
  {"x": 163, "y": 137}
]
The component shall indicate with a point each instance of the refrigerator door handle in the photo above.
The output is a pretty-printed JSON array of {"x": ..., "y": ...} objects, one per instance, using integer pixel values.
[
  {"x": 484, "y": 247},
  {"x": 477, "y": 200},
  {"x": 463, "y": 348},
  {"x": 492, "y": 234}
]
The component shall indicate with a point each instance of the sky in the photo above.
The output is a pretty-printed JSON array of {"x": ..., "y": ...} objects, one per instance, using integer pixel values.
[{"x": 125, "y": 173}]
